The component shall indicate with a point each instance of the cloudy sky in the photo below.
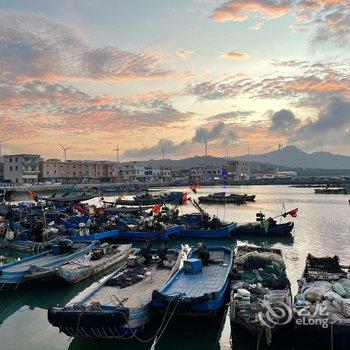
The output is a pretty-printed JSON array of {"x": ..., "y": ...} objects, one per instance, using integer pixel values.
[{"x": 160, "y": 73}]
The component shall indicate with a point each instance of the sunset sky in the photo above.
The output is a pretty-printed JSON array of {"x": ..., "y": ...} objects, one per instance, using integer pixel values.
[{"x": 241, "y": 74}]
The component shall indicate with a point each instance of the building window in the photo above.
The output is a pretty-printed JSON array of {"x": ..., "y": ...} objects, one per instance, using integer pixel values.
[
  {"x": 10, "y": 160},
  {"x": 10, "y": 168},
  {"x": 16, "y": 167}
]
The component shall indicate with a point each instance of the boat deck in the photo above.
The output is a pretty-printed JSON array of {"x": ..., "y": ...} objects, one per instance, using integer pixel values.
[
  {"x": 135, "y": 295},
  {"x": 46, "y": 260},
  {"x": 210, "y": 279}
]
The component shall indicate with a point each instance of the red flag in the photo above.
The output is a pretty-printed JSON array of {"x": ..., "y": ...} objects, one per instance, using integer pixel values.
[
  {"x": 79, "y": 208},
  {"x": 156, "y": 209},
  {"x": 32, "y": 195},
  {"x": 184, "y": 199},
  {"x": 293, "y": 213},
  {"x": 194, "y": 188}
]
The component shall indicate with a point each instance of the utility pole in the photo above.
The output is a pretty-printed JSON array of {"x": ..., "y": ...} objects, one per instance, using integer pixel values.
[
  {"x": 117, "y": 149},
  {"x": 65, "y": 149},
  {"x": 162, "y": 148},
  {"x": 1, "y": 141}
]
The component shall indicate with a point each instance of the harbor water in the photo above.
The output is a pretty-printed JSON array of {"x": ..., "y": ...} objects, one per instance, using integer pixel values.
[{"x": 321, "y": 228}]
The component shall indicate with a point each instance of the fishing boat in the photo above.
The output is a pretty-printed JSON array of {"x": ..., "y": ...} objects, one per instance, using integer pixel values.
[
  {"x": 119, "y": 305},
  {"x": 222, "y": 199},
  {"x": 96, "y": 236},
  {"x": 99, "y": 259},
  {"x": 135, "y": 202},
  {"x": 330, "y": 191},
  {"x": 197, "y": 288},
  {"x": 163, "y": 234},
  {"x": 256, "y": 229},
  {"x": 259, "y": 285},
  {"x": 321, "y": 307},
  {"x": 26, "y": 246},
  {"x": 199, "y": 225},
  {"x": 44, "y": 264},
  {"x": 125, "y": 210},
  {"x": 71, "y": 197}
]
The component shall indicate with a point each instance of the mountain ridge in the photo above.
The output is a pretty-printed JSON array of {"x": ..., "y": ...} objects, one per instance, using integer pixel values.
[{"x": 289, "y": 157}]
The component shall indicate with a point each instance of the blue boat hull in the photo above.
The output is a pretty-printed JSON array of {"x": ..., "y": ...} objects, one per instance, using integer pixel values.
[
  {"x": 20, "y": 271},
  {"x": 221, "y": 232},
  {"x": 169, "y": 233},
  {"x": 278, "y": 230},
  {"x": 98, "y": 236},
  {"x": 113, "y": 323},
  {"x": 22, "y": 245},
  {"x": 203, "y": 293}
]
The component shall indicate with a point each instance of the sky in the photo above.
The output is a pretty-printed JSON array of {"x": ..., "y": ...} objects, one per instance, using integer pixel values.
[{"x": 242, "y": 75}]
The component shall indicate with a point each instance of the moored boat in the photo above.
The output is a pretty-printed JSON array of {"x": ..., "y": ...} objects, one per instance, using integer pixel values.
[
  {"x": 119, "y": 306},
  {"x": 322, "y": 305},
  {"x": 99, "y": 259},
  {"x": 330, "y": 191},
  {"x": 222, "y": 199},
  {"x": 164, "y": 233},
  {"x": 259, "y": 285},
  {"x": 199, "y": 287},
  {"x": 201, "y": 225},
  {"x": 256, "y": 229},
  {"x": 44, "y": 264}
]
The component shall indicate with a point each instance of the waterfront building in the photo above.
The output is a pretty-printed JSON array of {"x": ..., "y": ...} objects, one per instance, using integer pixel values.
[
  {"x": 55, "y": 170},
  {"x": 244, "y": 170},
  {"x": 21, "y": 169},
  {"x": 205, "y": 172},
  {"x": 134, "y": 171}
]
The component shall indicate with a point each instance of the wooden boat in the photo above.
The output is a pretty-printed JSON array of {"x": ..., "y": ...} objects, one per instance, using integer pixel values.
[
  {"x": 193, "y": 225},
  {"x": 197, "y": 292},
  {"x": 26, "y": 246},
  {"x": 168, "y": 232},
  {"x": 97, "y": 236},
  {"x": 259, "y": 284},
  {"x": 216, "y": 199},
  {"x": 99, "y": 259},
  {"x": 321, "y": 311},
  {"x": 133, "y": 202},
  {"x": 43, "y": 264},
  {"x": 71, "y": 197},
  {"x": 255, "y": 229},
  {"x": 119, "y": 305},
  {"x": 126, "y": 210},
  {"x": 220, "y": 232},
  {"x": 329, "y": 191}
]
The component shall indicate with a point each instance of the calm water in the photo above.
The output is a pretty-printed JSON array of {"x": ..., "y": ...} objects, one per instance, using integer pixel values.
[{"x": 322, "y": 228}]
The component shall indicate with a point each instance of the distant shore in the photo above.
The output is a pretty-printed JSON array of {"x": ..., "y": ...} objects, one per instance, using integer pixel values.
[{"x": 134, "y": 187}]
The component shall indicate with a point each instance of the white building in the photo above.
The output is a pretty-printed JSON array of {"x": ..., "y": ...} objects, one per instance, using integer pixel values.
[
  {"x": 134, "y": 171},
  {"x": 21, "y": 169}
]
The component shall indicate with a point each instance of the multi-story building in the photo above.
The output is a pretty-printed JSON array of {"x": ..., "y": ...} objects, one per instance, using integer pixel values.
[
  {"x": 134, "y": 171},
  {"x": 205, "y": 172},
  {"x": 21, "y": 169},
  {"x": 243, "y": 170},
  {"x": 153, "y": 174},
  {"x": 77, "y": 170}
]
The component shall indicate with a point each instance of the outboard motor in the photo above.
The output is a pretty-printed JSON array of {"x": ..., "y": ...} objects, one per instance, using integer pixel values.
[
  {"x": 65, "y": 246},
  {"x": 260, "y": 217}
]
